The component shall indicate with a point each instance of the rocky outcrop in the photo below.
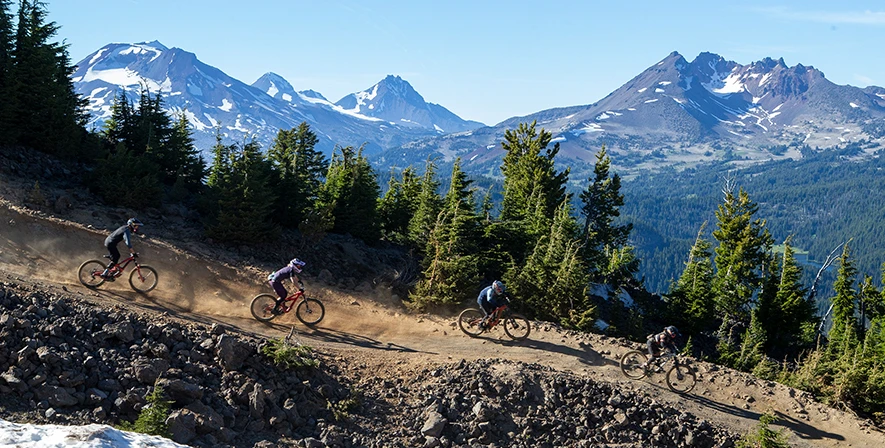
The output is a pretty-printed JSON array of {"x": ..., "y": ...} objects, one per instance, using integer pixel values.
[{"x": 65, "y": 360}]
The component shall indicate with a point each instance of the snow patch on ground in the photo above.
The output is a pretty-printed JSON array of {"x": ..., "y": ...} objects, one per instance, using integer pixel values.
[{"x": 88, "y": 436}]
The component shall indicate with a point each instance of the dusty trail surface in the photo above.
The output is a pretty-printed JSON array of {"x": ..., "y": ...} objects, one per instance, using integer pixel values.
[{"x": 371, "y": 329}]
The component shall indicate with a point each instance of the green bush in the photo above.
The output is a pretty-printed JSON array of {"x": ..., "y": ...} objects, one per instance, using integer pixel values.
[
  {"x": 152, "y": 418},
  {"x": 764, "y": 437},
  {"x": 289, "y": 356}
]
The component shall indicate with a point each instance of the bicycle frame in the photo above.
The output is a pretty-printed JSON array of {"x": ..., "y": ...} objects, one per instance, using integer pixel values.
[
  {"x": 496, "y": 316},
  {"x": 290, "y": 301},
  {"x": 118, "y": 268}
]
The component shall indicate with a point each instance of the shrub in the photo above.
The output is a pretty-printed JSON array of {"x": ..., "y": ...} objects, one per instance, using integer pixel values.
[
  {"x": 152, "y": 418},
  {"x": 289, "y": 356},
  {"x": 764, "y": 437}
]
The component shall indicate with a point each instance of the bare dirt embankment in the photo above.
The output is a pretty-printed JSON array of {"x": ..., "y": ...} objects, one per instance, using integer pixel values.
[{"x": 382, "y": 339}]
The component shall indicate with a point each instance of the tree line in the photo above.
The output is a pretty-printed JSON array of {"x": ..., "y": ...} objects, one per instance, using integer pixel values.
[{"x": 566, "y": 257}]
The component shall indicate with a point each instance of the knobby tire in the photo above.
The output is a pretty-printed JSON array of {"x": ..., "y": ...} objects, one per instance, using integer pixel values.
[
  {"x": 632, "y": 365},
  {"x": 517, "y": 327},
  {"x": 149, "y": 275},
  {"x": 310, "y": 311},
  {"x": 89, "y": 273},
  {"x": 469, "y": 320},
  {"x": 681, "y": 379},
  {"x": 262, "y": 307}
]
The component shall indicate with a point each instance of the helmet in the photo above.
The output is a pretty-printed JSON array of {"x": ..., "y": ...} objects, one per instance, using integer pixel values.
[
  {"x": 297, "y": 264},
  {"x": 498, "y": 286},
  {"x": 133, "y": 222},
  {"x": 671, "y": 331}
]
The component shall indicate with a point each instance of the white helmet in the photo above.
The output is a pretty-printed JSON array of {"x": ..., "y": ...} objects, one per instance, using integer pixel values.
[{"x": 297, "y": 264}]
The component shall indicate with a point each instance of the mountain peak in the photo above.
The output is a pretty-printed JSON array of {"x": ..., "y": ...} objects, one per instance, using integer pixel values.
[{"x": 155, "y": 44}]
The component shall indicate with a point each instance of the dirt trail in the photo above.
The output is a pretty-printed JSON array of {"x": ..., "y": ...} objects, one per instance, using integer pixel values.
[{"x": 363, "y": 328}]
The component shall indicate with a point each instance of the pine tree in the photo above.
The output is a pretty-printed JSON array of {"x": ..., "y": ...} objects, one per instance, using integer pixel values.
[
  {"x": 191, "y": 166},
  {"x": 601, "y": 205},
  {"x": 53, "y": 120},
  {"x": 451, "y": 272},
  {"x": 844, "y": 321},
  {"x": 398, "y": 205},
  {"x": 429, "y": 206},
  {"x": 553, "y": 280},
  {"x": 744, "y": 245},
  {"x": 300, "y": 168},
  {"x": 351, "y": 192},
  {"x": 529, "y": 170},
  {"x": 787, "y": 319},
  {"x": 691, "y": 301},
  {"x": 240, "y": 184},
  {"x": 7, "y": 107}
]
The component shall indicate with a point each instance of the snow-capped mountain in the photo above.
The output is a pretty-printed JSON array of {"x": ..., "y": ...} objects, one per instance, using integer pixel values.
[
  {"x": 393, "y": 99},
  {"x": 679, "y": 113},
  {"x": 211, "y": 99}
]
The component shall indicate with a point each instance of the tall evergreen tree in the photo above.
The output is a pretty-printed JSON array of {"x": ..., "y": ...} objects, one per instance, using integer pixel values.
[
  {"x": 743, "y": 251},
  {"x": 300, "y": 169},
  {"x": 398, "y": 205},
  {"x": 601, "y": 205},
  {"x": 7, "y": 106},
  {"x": 529, "y": 170},
  {"x": 691, "y": 301},
  {"x": 351, "y": 192},
  {"x": 240, "y": 180},
  {"x": 844, "y": 302},
  {"x": 787, "y": 319},
  {"x": 553, "y": 280},
  {"x": 451, "y": 274},
  {"x": 429, "y": 206},
  {"x": 53, "y": 120}
]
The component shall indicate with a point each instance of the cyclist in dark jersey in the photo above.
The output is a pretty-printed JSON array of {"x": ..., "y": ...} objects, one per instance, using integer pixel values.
[
  {"x": 124, "y": 234},
  {"x": 291, "y": 272},
  {"x": 492, "y": 297}
]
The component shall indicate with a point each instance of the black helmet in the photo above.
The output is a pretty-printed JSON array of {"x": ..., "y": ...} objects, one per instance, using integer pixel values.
[{"x": 672, "y": 332}]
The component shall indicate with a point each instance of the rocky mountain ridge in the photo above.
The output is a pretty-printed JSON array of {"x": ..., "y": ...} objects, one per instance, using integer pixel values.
[
  {"x": 211, "y": 99},
  {"x": 679, "y": 113}
]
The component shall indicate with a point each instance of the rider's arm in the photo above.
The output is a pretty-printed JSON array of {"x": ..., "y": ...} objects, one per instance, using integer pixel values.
[
  {"x": 127, "y": 238},
  {"x": 294, "y": 277}
]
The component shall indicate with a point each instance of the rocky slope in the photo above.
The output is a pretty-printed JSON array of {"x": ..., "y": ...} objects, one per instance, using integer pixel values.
[{"x": 68, "y": 360}]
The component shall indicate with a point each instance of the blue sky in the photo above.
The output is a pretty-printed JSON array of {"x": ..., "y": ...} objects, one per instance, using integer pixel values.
[{"x": 484, "y": 60}]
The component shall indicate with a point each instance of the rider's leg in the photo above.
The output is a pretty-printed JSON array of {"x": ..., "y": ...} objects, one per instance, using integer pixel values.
[
  {"x": 115, "y": 257},
  {"x": 281, "y": 292}
]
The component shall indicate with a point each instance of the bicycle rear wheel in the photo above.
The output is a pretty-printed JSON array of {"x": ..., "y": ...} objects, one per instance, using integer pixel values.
[
  {"x": 681, "y": 379},
  {"x": 143, "y": 278},
  {"x": 633, "y": 364},
  {"x": 262, "y": 307},
  {"x": 517, "y": 327},
  {"x": 310, "y": 311},
  {"x": 469, "y": 321},
  {"x": 90, "y": 273}
]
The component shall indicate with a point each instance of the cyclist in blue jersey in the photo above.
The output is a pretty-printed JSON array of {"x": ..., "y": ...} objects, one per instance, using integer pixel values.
[
  {"x": 124, "y": 234},
  {"x": 291, "y": 272}
]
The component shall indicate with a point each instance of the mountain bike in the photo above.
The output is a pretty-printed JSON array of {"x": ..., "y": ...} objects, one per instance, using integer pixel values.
[
  {"x": 473, "y": 324},
  {"x": 680, "y": 377},
  {"x": 309, "y": 311},
  {"x": 142, "y": 278}
]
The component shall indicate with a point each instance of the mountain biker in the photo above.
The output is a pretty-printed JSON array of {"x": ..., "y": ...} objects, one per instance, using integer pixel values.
[
  {"x": 124, "y": 234},
  {"x": 291, "y": 272},
  {"x": 663, "y": 340},
  {"x": 492, "y": 297}
]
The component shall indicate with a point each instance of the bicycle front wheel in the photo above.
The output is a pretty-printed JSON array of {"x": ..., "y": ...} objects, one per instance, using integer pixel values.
[
  {"x": 517, "y": 327},
  {"x": 143, "y": 278},
  {"x": 633, "y": 364},
  {"x": 681, "y": 379},
  {"x": 469, "y": 321},
  {"x": 310, "y": 311},
  {"x": 262, "y": 307},
  {"x": 90, "y": 273}
]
